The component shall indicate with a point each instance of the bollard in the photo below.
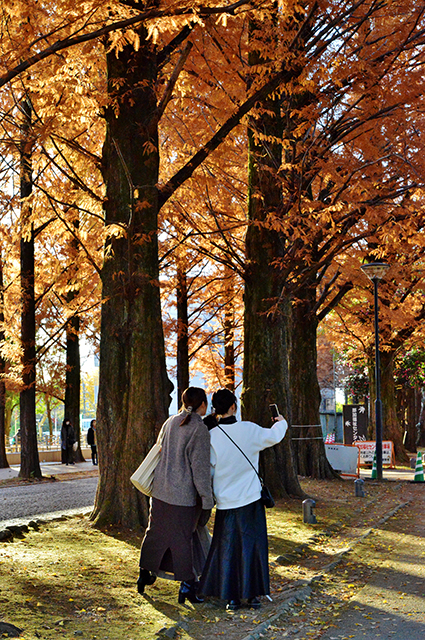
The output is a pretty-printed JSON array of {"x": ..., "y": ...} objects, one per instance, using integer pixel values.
[
  {"x": 308, "y": 515},
  {"x": 359, "y": 486}
]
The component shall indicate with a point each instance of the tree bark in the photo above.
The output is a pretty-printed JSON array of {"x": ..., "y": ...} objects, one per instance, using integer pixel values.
[
  {"x": 73, "y": 364},
  {"x": 412, "y": 418},
  {"x": 229, "y": 334},
  {"x": 30, "y": 464},
  {"x": 133, "y": 385},
  {"x": 73, "y": 380},
  {"x": 3, "y": 458},
  {"x": 229, "y": 346},
  {"x": 391, "y": 425},
  {"x": 266, "y": 319},
  {"x": 310, "y": 454},
  {"x": 49, "y": 416},
  {"x": 182, "y": 333}
]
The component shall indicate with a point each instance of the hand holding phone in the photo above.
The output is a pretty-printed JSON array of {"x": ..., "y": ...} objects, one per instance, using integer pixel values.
[{"x": 274, "y": 411}]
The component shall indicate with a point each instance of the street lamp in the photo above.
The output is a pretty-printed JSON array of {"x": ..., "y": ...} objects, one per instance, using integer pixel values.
[{"x": 376, "y": 271}]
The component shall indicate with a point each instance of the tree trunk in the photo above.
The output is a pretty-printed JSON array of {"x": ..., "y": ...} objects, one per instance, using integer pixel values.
[
  {"x": 310, "y": 453},
  {"x": 420, "y": 431},
  {"x": 49, "y": 416},
  {"x": 391, "y": 426},
  {"x": 3, "y": 458},
  {"x": 73, "y": 365},
  {"x": 133, "y": 385},
  {"x": 73, "y": 380},
  {"x": 30, "y": 464},
  {"x": 266, "y": 328},
  {"x": 182, "y": 333},
  {"x": 229, "y": 334},
  {"x": 413, "y": 410}
]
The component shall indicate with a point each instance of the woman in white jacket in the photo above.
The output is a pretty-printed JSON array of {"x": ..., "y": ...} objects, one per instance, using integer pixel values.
[{"x": 237, "y": 564}]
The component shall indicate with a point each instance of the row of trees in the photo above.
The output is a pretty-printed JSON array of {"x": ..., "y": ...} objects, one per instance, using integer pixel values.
[{"x": 219, "y": 148}]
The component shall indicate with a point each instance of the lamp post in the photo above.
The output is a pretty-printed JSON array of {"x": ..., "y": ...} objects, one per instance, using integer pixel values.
[{"x": 376, "y": 271}]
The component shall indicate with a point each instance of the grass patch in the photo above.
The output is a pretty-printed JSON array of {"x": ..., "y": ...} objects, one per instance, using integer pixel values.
[{"x": 69, "y": 579}]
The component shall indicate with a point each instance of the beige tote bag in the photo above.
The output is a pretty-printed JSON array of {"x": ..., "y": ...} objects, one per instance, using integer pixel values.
[{"x": 142, "y": 478}]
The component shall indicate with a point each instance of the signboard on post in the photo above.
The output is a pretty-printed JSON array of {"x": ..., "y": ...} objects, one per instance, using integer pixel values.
[
  {"x": 367, "y": 451},
  {"x": 355, "y": 423}
]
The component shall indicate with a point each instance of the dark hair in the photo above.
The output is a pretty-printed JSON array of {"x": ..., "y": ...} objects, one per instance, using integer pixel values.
[
  {"x": 211, "y": 421},
  {"x": 91, "y": 422},
  {"x": 192, "y": 398},
  {"x": 222, "y": 400}
]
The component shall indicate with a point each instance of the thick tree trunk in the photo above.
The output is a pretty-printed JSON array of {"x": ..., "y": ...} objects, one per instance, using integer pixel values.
[
  {"x": 30, "y": 465},
  {"x": 182, "y": 333},
  {"x": 133, "y": 385},
  {"x": 73, "y": 380},
  {"x": 391, "y": 425},
  {"x": 413, "y": 411},
  {"x": 310, "y": 454},
  {"x": 420, "y": 427},
  {"x": 3, "y": 458},
  {"x": 266, "y": 319}
]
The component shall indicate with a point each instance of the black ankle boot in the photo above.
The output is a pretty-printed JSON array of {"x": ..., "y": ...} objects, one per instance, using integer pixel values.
[
  {"x": 254, "y": 603},
  {"x": 233, "y": 605},
  {"x": 145, "y": 578},
  {"x": 188, "y": 590}
]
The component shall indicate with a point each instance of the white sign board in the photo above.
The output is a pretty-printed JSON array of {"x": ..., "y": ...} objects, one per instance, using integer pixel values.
[
  {"x": 367, "y": 451},
  {"x": 343, "y": 458}
]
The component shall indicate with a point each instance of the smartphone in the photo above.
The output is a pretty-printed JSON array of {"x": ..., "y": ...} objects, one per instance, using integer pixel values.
[{"x": 274, "y": 410}]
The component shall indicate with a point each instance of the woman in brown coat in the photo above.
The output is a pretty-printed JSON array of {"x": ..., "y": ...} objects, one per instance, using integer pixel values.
[{"x": 181, "y": 497}]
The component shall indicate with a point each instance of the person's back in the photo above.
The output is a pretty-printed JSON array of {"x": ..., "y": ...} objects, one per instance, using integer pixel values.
[
  {"x": 90, "y": 436},
  {"x": 235, "y": 482},
  {"x": 237, "y": 563},
  {"x": 180, "y": 473}
]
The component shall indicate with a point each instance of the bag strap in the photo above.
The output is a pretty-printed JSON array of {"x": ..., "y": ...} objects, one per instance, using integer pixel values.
[
  {"x": 161, "y": 434},
  {"x": 243, "y": 453}
]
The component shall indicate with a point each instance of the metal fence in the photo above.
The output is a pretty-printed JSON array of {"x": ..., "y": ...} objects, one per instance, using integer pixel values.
[{"x": 45, "y": 443}]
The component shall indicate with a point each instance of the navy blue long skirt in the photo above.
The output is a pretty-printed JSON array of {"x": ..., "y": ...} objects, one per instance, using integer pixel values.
[{"x": 237, "y": 566}]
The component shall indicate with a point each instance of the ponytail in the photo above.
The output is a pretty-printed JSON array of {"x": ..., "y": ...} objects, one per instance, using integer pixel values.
[{"x": 192, "y": 398}]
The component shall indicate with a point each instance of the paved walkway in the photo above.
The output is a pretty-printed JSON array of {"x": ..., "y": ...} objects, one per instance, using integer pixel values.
[
  {"x": 50, "y": 469},
  {"x": 56, "y": 468},
  {"x": 392, "y": 603}
]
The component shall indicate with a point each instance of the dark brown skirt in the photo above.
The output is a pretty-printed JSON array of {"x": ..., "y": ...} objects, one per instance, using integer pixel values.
[{"x": 168, "y": 542}]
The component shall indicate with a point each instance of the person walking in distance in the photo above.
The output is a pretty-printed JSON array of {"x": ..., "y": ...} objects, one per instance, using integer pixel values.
[
  {"x": 67, "y": 441},
  {"x": 91, "y": 440}
]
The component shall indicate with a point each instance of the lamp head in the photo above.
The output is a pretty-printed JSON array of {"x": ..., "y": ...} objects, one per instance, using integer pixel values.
[{"x": 375, "y": 270}]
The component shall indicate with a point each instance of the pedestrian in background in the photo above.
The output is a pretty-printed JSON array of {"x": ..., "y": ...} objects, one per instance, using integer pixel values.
[
  {"x": 91, "y": 440},
  {"x": 67, "y": 441}
]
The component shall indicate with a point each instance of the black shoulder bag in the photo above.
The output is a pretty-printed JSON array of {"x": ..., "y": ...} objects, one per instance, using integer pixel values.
[{"x": 266, "y": 496}]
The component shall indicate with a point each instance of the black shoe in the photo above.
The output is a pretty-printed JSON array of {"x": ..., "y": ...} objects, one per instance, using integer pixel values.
[
  {"x": 233, "y": 605},
  {"x": 188, "y": 590},
  {"x": 146, "y": 578},
  {"x": 254, "y": 603}
]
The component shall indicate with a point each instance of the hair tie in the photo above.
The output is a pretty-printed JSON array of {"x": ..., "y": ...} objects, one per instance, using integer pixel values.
[{"x": 189, "y": 409}]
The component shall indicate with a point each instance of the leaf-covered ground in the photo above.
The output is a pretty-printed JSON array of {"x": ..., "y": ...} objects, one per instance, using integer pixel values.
[{"x": 69, "y": 579}]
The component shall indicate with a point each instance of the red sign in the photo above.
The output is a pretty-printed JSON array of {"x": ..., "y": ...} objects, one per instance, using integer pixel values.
[{"x": 367, "y": 451}]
